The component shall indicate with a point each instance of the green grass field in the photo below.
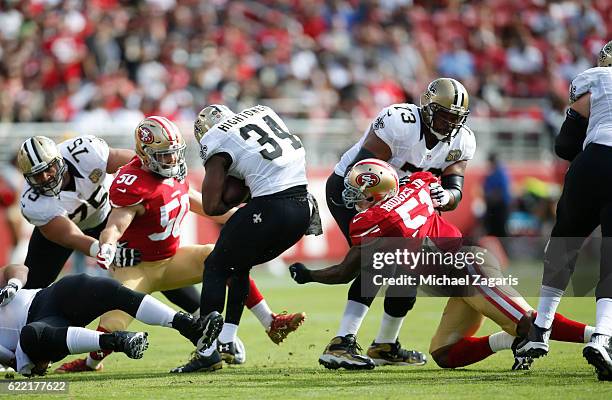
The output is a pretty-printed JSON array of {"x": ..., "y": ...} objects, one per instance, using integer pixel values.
[{"x": 291, "y": 371}]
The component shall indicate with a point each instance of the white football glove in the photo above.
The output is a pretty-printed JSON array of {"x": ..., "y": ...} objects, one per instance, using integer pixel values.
[
  {"x": 8, "y": 292},
  {"x": 106, "y": 255},
  {"x": 439, "y": 196}
]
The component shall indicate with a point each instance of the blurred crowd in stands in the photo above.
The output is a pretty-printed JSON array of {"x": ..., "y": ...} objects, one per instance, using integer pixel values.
[{"x": 66, "y": 60}]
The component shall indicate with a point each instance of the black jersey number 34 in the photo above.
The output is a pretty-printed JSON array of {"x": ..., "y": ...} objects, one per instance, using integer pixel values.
[{"x": 265, "y": 138}]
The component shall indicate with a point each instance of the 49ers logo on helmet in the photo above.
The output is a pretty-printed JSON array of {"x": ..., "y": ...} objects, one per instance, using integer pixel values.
[
  {"x": 145, "y": 135},
  {"x": 367, "y": 178}
]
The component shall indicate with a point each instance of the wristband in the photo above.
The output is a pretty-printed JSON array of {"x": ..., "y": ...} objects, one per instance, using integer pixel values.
[
  {"x": 94, "y": 249},
  {"x": 16, "y": 282}
]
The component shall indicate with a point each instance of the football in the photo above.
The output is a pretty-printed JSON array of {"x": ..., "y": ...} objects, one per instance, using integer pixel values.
[{"x": 235, "y": 191}]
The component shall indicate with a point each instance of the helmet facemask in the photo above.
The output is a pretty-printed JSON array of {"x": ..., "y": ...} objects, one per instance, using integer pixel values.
[
  {"x": 52, "y": 186},
  {"x": 169, "y": 163},
  {"x": 443, "y": 123}
]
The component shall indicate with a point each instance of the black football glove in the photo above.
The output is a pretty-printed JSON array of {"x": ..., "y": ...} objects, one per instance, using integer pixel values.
[
  {"x": 7, "y": 293},
  {"x": 300, "y": 273},
  {"x": 125, "y": 256}
]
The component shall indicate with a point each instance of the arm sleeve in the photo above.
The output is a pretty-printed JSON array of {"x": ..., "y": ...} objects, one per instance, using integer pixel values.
[
  {"x": 126, "y": 191},
  {"x": 388, "y": 126},
  {"x": 41, "y": 211},
  {"x": 579, "y": 86},
  {"x": 468, "y": 147}
]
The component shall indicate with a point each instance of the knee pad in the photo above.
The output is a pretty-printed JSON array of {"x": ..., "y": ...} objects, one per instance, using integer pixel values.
[{"x": 398, "y": 307}]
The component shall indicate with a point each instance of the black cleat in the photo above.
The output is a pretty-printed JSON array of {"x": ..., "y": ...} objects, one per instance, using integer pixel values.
[
  {"x": 345, "y": 352},
  {"x": 200, "y": 363},
  {"x": 211, "y": 328},
  {"x": 188, "y": 326},
  {"x": 598, "y": 353},
  {"x": 535, "y": 345},
  {"x": 521, "y": 363},
  {"x": 233, "y": 352},
  {"x": 133, "y": 344},
  {"x": 394, "y": 354}
]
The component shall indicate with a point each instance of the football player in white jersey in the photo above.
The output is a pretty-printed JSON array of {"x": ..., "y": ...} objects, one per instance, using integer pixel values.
[
  {"x": 39, "y": 326},
  {"x": 431, "y": 137},
  {"x": 256, "y": 146},
  {"x": 66, "y": 197},
  {"x": 585, "y": 139}
]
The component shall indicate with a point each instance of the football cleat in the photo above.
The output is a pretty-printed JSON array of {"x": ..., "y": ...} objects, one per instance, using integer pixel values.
[
  {"x": 78, "y": 365},
  {"x": 211, "y": 328},
  {"x": 394, "y": 354},
  {"x": 535, "y": 344},
  {"x": 521, "y": 363},
  {"x": 133, "y": 344},
  {"x": 345, "y": 352},
  {"x": 598, "y": 353},
  {"x": 200, "y": 363},
  {"x": 233, "y": 352},
  {"x": 283, "y": 324},
  {"x": 188, "y": 326}
]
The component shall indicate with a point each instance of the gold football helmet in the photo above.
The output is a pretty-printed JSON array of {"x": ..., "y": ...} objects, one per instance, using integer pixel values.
[
  {"x": 445, "y": 107},
  {"x": 161, "y": 147},
  {"x": 605, "y": 56},
  {"x": 369, "y": 182},
  {"x": 210, "y": 116},
  {"x": 42, "y": 165}
]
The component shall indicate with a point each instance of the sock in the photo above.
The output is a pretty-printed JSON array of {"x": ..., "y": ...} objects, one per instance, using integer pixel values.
[
  {"x": 95, "y": 357},
  {"x": 208, "y": 352},
  {"x": 228, "y": 333},
  {"x": 263, "y": 313},
  {"x": 389, "y": 329},
  {"x": 468, "y": 350},
  {"x": 588, "y": 333},
  {"x": 82, "y": 340},
  {"x": 500, "y": 341},
  {"x": 353, "y": 316},
  {"x": 549, "y": 301},
  {"x": 603, "y": 316},
  {"x": 255, "y": 297},
  {"x": 567, "y": 330},
  {"x": 153, "y": 312}
]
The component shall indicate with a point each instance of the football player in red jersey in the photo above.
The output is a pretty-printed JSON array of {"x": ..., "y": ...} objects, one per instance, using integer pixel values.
[
  {"x": 150, "y": 198},
  {"x": 390, "y": 210}
]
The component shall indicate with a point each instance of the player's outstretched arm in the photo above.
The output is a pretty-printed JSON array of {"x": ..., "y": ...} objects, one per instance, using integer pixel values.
[
  {"x": 118, "y": 158},
  {"x": 12, "y": 278},
  {"x": 64, "y": 232},
  {"x": 213, "y": 185},
  {"x": 195, "y": 205},
  {"x": 337, "y": 274},
  {"x": 118, "y": 222}
]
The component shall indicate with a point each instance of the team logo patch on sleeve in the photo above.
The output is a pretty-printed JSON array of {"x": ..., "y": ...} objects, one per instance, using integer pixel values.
[
  {"x": 453, "y": 155},
  {"x": 572, "y": 93},
  {"x": 95, "y": 175},
  {"x": 378, "y": 124}
]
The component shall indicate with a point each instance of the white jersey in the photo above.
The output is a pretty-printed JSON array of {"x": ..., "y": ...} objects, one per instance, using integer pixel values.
[
  {"x": 85, "y": 199},
  {"x": 399, "y": 126},
  {"x": 13, "y": 317},
  {"x": 263, "y": 152},
  {"x": 597, "y": 81}
]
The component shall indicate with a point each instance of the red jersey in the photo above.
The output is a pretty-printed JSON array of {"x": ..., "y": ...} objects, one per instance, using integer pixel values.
[
  {"x": 408, "y": 214},
  {"x": 157, "y": 232}
]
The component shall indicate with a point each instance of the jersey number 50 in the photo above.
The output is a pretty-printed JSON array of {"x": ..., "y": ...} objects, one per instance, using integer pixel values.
[{"x": 172, "y": 225}]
